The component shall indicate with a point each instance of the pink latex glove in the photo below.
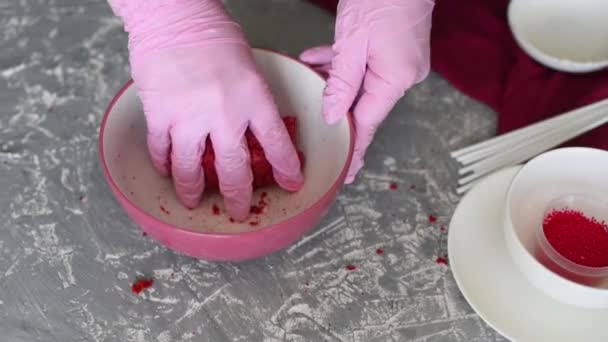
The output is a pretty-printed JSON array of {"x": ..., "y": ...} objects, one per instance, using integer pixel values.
[
  {"x": 195, "y": 75},
  {"x": 382, "y": 48}
]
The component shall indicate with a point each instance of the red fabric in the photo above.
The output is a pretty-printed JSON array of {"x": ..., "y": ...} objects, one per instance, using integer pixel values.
[
  {"x": 473, "y": 48},
  {"x": 261, "y": 168}
]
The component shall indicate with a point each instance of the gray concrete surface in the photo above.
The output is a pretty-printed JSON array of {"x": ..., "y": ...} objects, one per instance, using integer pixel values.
[{"x": 68, "y": 253}]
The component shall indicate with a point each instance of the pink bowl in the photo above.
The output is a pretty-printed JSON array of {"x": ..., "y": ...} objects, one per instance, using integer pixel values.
[{"x": 150, "y": 201}]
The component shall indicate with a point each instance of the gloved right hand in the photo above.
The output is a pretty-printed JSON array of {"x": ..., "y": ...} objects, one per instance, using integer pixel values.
[
  {"x": 381, "y": 49},
  {"x": 196, "y": 77}
]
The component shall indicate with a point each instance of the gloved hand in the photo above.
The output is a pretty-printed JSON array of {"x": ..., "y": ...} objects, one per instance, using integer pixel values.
[
  {"x": 381, "y": 49},
  {"x": 196, "y": 77}
]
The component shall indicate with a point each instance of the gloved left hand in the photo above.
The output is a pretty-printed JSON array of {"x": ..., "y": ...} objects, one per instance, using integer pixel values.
[{"x": 382, "y": 48}]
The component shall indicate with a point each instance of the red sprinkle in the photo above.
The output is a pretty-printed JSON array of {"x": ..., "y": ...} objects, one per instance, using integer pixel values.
[
  {"x": 164, "y": 210},
  {"x": 141, "y": 284},
  {"x": 232, "y": 220},
  {"x": 254, "y": 223},
  {"x": 578, "y": 238},
  {"x": 412, "y": 187},
  {"x": 144, "y": 234},
  {"x": 441, "y": 260},
  {"x": 216, "y": 209},
  {"x": 393, "y": 186},
  {"x": 379, "y": 251},
  {"x": 432, "y": 218},
  {"x": 442, "y": 228},
  {"x": 351, "y": 267}
]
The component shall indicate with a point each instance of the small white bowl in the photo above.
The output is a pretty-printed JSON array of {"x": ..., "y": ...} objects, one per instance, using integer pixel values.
[
  {"x": 547, "y": 177},
  {"x": 564, "y": 35}
]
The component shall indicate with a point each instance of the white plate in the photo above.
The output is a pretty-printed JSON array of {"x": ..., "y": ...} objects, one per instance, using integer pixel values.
[{"x": 494, "y": 287}]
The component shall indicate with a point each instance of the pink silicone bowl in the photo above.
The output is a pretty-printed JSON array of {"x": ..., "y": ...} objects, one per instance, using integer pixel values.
[{"x": 150, "y": 201}]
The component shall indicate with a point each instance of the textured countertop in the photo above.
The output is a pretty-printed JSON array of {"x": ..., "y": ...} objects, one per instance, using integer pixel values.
[{"x": 68, "y": 253}]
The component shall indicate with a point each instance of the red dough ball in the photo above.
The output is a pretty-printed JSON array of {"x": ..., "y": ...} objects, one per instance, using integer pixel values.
[{"x": 262, "y": 170}]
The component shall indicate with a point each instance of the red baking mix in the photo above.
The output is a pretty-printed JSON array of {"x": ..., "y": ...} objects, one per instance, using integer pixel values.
[{"x": 262, "y": 170}]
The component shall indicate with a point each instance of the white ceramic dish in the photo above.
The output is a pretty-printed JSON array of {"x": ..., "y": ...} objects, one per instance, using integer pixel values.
[
  {"x": 547, "y": 177},
  {"x": 493, "y": 285},
  {"x": 564, "y": 35}
]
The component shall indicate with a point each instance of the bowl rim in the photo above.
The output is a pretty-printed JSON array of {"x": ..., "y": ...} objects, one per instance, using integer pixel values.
[
  {"x": 315, "y": 206},
  {"x": 510, "y": 225}
]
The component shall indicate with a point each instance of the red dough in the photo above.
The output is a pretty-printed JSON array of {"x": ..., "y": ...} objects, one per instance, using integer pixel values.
[{"x": 262, "y": 170}]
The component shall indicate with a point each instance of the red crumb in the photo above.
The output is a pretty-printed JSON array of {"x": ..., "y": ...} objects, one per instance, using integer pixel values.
[
  {"x": 232, "y": 220},
  {"x": 379, "y": 251},
  {"x": 256, "y": 210},
  {"x": 441, "y": 260},
  {"x": 351, "y": 267},
  {"x": 442, "y": 228},
  {"x": 216, "y": 209},
  {"x": 254, "y": 223},
  {"x": 412, "y": 187},
  {"x": 141, "y": 284},
  {"x": 132, "y": 193},
  {"x": 144, "y": 234},
  {"x": 393, "y": 186},
  {"x": 432, "y": 218},
  {"x": 262, "y": 204},
  {"x": 164, "y": 210}
]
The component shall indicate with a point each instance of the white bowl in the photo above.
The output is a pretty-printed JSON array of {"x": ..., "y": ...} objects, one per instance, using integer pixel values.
[
  {"x": 566, "y": 35},
  {"x": 540, "y": 181}
]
